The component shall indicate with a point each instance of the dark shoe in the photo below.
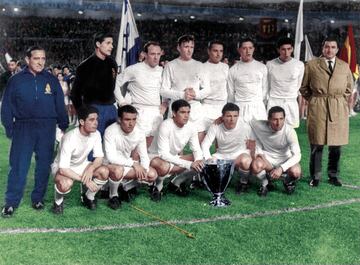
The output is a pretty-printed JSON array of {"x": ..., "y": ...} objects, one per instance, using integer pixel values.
[
  {"x": 126, "y": 196},
  {"x": 155, "y": 194},
  {"x": 90, "y": 204},
  {"x": 38, "y": 206},
  {"x": 262, "y": 192},
  {"x": 114, "y": 203},
  {"x": 58, "y": 209},
  {"x": 289, "y": 187},
  {"x": 180, "y": 191},
  {"x": 314, "y": 183},
  {"x": 335, "y": 182},
  {"x": 241, "y": 188},
  {"x": 7, "y": 211}
]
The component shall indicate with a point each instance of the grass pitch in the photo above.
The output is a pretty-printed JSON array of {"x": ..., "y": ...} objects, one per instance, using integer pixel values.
[{"x": 313, "y": 226}]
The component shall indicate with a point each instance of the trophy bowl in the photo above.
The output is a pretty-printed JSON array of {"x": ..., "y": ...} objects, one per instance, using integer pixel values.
[{"x": 216, "y": 176}]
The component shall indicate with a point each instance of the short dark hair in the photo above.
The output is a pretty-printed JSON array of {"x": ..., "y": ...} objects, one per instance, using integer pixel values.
[
  {"x": 185, "y": 38},
  {"x": 65, "y": 66},
  {"x": 284, "y": 40},
  {"x": 126, "y": 108},
  {"x": 29, "y": 51},
  {"x": 330, "y": 38},
  {"x": 13, "y": 60},
  {"x": 246, "y": 39},
  {"x": 101, "y": 36},
  {"x": 275, "y": 109},
  {"x": 176, "y": 105},
  {"x": 148, "y": 44},
  {"x": 213, "y": 42},
  {"x": 229, "y": 107},
  {"x": 85, "y": 110}
]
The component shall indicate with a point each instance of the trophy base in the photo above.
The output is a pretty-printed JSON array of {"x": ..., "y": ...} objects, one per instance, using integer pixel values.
[{"x": 220, "y": 201}]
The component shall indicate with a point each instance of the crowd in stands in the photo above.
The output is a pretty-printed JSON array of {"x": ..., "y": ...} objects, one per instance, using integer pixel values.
[{"x": 69, "y": 40}]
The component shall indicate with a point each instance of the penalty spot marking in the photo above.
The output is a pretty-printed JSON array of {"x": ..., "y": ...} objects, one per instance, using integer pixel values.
[{"x": 11, "y": 231}]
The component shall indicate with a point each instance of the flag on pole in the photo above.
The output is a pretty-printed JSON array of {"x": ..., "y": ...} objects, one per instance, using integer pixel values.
[
  {"x": 129, "y": 44},
  {"x": 348, "y": 52},
  {"x": 299, "y": 34},
  {"x": 308, "y": 51}
]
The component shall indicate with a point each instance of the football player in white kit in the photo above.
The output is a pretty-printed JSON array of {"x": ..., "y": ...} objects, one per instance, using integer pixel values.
[
  {"x": 173, "y": 135},
  {"x": 72, "y": 164},
  {"x": 285, "y": 76},
  {"x": 143, "y": 81},
  {"x": 214, "y": 101},
  {"x": 233, "y": 137},
  {"x": 185, "y": 78},
  {"x": 281, "y": 151},
  {"x": 247, "y": 83},
  {"x": 120, "y": 140}
]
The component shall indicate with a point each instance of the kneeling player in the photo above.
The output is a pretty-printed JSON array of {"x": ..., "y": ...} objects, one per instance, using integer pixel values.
[
  {"x": 173, "y": 135},
  {"x": 232, "y": 137},
  {"x": 71, "y": 162},
  {"x": 120, "y": 140},
  {"x": 281, "y": 151}
]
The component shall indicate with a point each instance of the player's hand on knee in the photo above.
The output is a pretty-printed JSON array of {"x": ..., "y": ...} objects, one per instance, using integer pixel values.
[
  {"x": 88, "y": 174},
  {"x": 276, "y": 173},
  {"x": 140, "y": 172}
]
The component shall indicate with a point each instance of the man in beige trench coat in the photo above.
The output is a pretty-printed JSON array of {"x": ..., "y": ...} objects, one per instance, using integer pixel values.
[{"x": 326, "y": 85}]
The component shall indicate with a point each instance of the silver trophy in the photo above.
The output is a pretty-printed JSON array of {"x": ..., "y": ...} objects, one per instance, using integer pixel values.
[{"x": 216, "y": 176}]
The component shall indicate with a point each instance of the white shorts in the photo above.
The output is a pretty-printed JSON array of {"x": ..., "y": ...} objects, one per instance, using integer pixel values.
[
  {"x": 231, "y": 156},
  {"x": 275, "y": 162},
  {"x": 77, "y": 169},
  {"x": 149, "y": 119},
  {"x": 211, "y": 113},
  {"x": 291, "y": 107},
  {"x": 252, "y": 110}
]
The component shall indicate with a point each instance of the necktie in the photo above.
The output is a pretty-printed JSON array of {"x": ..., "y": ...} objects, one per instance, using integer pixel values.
[{"x": 330, "y": 66}]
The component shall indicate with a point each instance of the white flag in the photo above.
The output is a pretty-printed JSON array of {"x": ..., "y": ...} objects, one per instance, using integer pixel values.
[
  {"x": 129, "y": 41},
  {"x": 7, "y": 58},
  {"x": 299, "y": 34},
  {"x": 308, "y": 51}
]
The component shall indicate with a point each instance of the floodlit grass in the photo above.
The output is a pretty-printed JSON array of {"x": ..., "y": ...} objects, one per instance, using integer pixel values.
[{"x": 323, "y": 236}]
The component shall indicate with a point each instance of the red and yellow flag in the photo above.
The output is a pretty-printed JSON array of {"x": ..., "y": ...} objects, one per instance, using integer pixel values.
[{"x": 348, "y": 52}]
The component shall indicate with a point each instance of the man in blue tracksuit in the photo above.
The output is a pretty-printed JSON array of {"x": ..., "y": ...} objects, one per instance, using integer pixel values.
[{"x": 33, "y": 104}]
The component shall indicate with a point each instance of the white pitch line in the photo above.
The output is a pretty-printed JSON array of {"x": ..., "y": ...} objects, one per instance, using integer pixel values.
[
  {"x": 176, "y": 222},
  {"x": 351, "y": 186}
]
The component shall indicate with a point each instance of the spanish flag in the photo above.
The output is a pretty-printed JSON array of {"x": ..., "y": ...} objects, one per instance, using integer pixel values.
[{"x": 348, "y": 52}]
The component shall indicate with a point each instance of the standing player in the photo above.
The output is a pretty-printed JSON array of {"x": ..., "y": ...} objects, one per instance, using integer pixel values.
[
  {"x": 285, "y": 76},
  {"x": 281, "y": 151},
  {"x": 247, "y": 83},
  {"x": 71, "y": 162},
  {"x": 214, "y": 101},
  {"x": 183, "y": 78},
  {"x": 94, "y": 82},
  {"x": 232, "y": 137},
  {"x": 120, "y": 140},
  {"x": 143, "y": 81},
  {"x": 173, "y": 135}
]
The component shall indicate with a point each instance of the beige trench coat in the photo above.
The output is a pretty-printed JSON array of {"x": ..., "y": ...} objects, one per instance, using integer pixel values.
[{"x": 327, "y": 95}]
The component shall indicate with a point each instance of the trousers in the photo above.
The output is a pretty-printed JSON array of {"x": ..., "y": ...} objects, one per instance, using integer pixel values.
[{"x": 30, "y": 136}]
